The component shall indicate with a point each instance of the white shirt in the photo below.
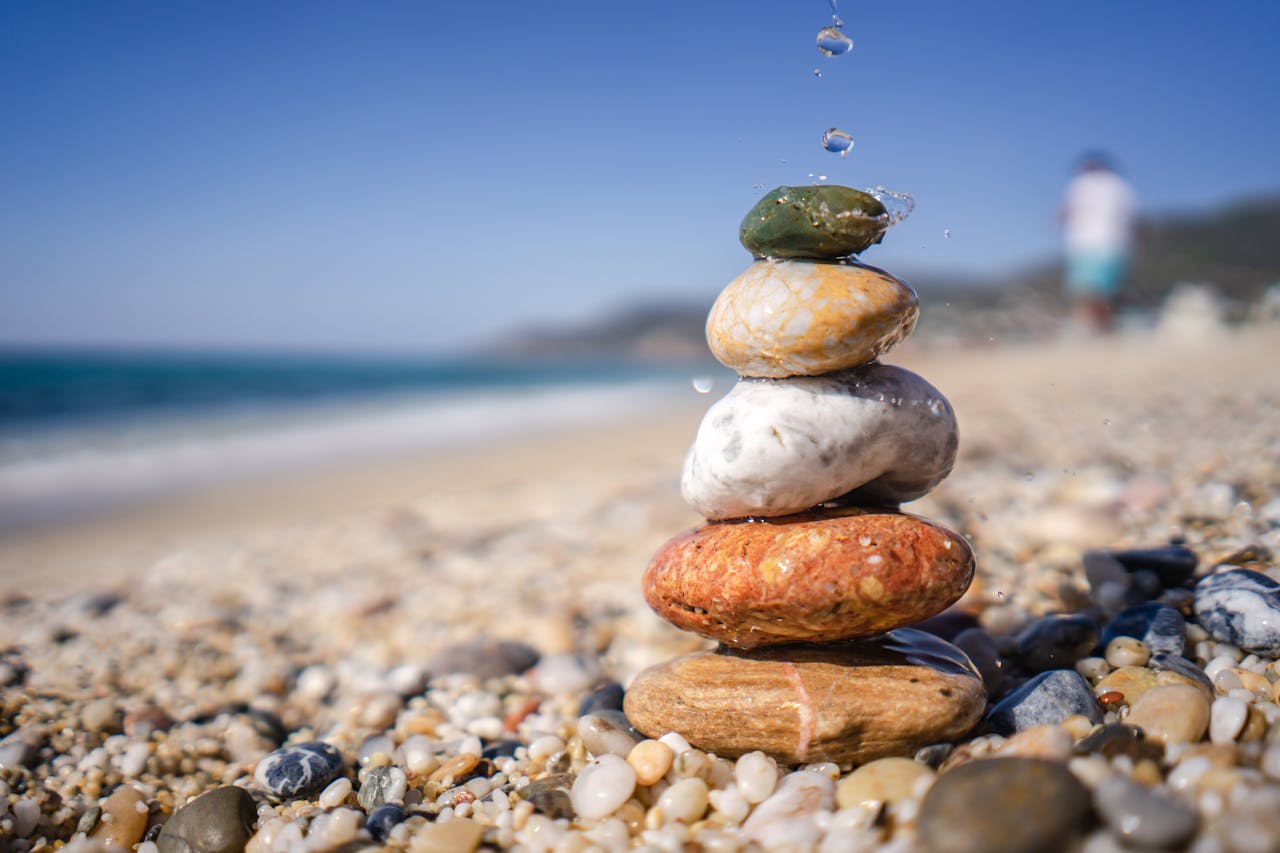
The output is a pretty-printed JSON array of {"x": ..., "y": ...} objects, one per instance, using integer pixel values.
[{"x": 1100, "y": 209}]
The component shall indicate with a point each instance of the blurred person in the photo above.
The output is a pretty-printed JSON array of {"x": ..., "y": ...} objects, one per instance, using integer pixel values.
[{"x": 1098, "y": 214}]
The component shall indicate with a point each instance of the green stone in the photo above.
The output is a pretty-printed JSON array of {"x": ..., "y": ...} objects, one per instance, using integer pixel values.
[{"x": 821, "y": 222}]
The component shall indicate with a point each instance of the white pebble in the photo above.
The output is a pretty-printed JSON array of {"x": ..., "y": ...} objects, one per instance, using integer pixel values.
[
  {"x": 419, "y": 757},
  {"x": 470, "y": 746},
  {"x": 1270, "y": 763},
  {"x": 134, "y": 760},
  {"x": 562, "y": 673},
  {"x": 1217, "y": 665},
  {"x": 685, "y": 801},
  {"x": 1226, "y": 680},
  {"x": 148, "y": 847},
  {"x": 1187, "y": 773},
  {"x": 676, "y": 741},
  {"x": 486, "y": 727},
  {"x": 603, "y": 785},
  {"x": 611, "y": 834},
  {"x": 26, "y": 814},
  {"x": 334, "y": 793},
  {"x": 315, "y": 682},
  {"x": 730, "y": 802},
  {"x": 789, "y": 816},
  {"x": 545, "y": 747},
  {"x": 756, "y": 775},
  {"x": 1244, "y": 694},
  {"x": 1227, "y": 719}
]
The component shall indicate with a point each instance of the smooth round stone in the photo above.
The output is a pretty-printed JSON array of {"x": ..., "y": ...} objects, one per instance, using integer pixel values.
[
  {"x": 1003, "y": 805},
  {"x": 383, "y": 784},
  {"x": 220, "y": 821},
  {"x": 800, "y": 318},
  {"x": 651, "y": 759},
  {"x": 685, "y": 801},
  {"x": 1056, "y": 642},
  {"x": 1161, "y": 628},
  {"x": 756, "y": 775},
  {"x": 484, "y": 658},
  {"x": 607, "y": 732},
  {"x": 298, "y": 770},
  {"x": 886, "y": 780},
  {"x": 1241, "y": 607},
  {"x": 875, "y": 434},
  {"x": 1227, "y": 717},
  {"x": 603, "y": 785},
  {"x": 1047, "y": 699},
  {"x": 824, "y": 221},
  {"x": 1049, "y": 742},
  {"x": 1120, "y": 739},
  {"x": 845, "y": 702},
  {"x": 384, "y": 819},
  {"x": 788, "y": 820},
  {"x": 1126, "y": 651},
  {"x": 1174, "y": 565},
  {"x": 1131, "y": 681},
  {"x": 1141, "y": 817},
  {"x": 1174, "y": 713},
  {"x": 821, "y": 576},
  {"x": 123, "y": 819}
]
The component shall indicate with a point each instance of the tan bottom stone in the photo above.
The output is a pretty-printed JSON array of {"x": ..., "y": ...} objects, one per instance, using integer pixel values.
[{"x": 848, "y": 702}]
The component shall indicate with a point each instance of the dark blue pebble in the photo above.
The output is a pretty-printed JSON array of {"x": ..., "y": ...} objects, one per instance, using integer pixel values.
[
  {"x": 1056, "y": 642},
  {"x": 1158, "y": 625},
  {"x": 302, "y": 768},
  {"x": 1047, "y": 699},
  {"x": 605, "y": 698},
  {"x": 1174, "y": 565},
  {"x": 384, "y": 819},
  {"x": 501, "y": 748}
]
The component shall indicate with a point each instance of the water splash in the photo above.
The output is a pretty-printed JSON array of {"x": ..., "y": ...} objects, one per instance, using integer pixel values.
[
  {"x": 835, "y": 14},
  {"x": 837, "y": 141},
  {"x": 946, "y": 232},
  {"x": 832, "y": 42},
  {"x": 817, "y": 72},
  {"x": 898, "y": 206}
]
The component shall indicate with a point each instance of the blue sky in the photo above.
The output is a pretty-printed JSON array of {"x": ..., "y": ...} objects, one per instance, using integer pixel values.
[{"x": 396, "y": 175}]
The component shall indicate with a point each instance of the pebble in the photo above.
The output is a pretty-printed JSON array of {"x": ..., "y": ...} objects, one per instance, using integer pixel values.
[
  {"x": 563, "y": 673},
  {"x": 1174, "y": 565},
  {"x": 788, "y": 818},
  {"x": 1126, "y": 651},
  {"x": 335, "y": 793},
  {"x": 813, "y": 702},
  {"x": 981, "y": 650},
  {"x": 607, "y": 697},
  {"x": 484, "y": 658},
  {"x": 798, "y": 318},
  {"x": 1049, "y": 742},
  {"x": 608, "y": 733},
  {"x": 1003, "y": 805},
  {"x": 123, "y": 819},
  {"x": 821, "y": 576},
  {"x": 603, "y": 785},
  {"x": 1161, "y": 628},
  {"x": 1173, "y": 713},
  {"x": 756, "y": 775},
  {"x": 1047, "y": 699},
  {"x": 451, "y": 836},
  {"x": 1241, "y": 607},
  {"x": 886, "y": 780},
  {"x": 384, "y": 819},
  {"x": 685, "y": 801},
  {"x": 1115, "y": 739},
  {"x": 1093, "y": 669},
  {"x": 1130, "y": 681},
  {"x": 26, "y": 814},
  {"x": 877, "y": 434},
  {"x": 1142, "y": 817},
  {"x": 220, "y": 821},
  {"x": 298, "y": 770},
  {"x": 385, "y": 784},
  {"x": 1056, "y": 642},
  {"x": 1227, "y": 717},
  {"x": 824, "y": 221},
  {"x": 650, "y": 759}
]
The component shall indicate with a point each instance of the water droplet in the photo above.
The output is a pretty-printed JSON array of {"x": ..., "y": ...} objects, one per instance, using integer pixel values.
[
  {"x": 837, "y": 141},
  {"x": 946, "y": 232},
  {"x": 835, "y": 14},
  {"x": 703, "y": 384},
  {"x": 999, "y": 594},
  {"x": 897, "y": 205},
  {"x": 757, "y": 186},
  {"x": 1106, "y": 422},
  {"x": 817, "y": 72},
  {"x": 832, "y": 42}
]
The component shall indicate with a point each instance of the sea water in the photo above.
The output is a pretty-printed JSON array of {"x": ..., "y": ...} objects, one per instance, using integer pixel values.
[{"x": 82, "y": 430}]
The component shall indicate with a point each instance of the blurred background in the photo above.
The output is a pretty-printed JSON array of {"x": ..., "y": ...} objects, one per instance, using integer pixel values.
[{"x": 238, "y": 237}]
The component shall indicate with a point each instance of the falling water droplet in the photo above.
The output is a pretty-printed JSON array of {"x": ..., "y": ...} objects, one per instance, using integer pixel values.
[
  {"x": 835, "y": 14},
  {"x": 817, "y": 72},
  {"x": 898, "y": 206},
  {"x": 703, "y": 384},
  {"x": 757, "y": 186},
  {"x": 837, "y": 141},
  {"x": 946, "y": 232},
  {"x": 832, "y": 42}
]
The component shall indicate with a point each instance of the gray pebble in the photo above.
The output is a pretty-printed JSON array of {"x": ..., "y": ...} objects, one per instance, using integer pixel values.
[
  {"x": 1056, "y": 642},
  {"x": 1048, "y": 698},
  {"x": 298, "y": 770},
  {"x": 484, "y": 658},
  {"x": 1142, "y": 817},
  {"x": 381, "y": 785},
  {"x": 1241, "y": 607},
  {"x": 607, "y": 697},
  {"x": 1159, "y": 626},
  {"x": 220, "y": 821},
  {"x": 1003, "y": 805}
]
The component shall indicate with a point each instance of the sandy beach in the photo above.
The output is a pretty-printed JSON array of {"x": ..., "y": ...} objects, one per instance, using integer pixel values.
[{"x": 314, "y": 597}]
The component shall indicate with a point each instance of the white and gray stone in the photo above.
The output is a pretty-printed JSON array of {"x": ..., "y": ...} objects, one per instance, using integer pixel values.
[
  {"x": 875, "y": 434},
  {"x": 297, "y": 770},
  {"x": 1047, "y": 699},
  {"x": 1241, "y": 607}
]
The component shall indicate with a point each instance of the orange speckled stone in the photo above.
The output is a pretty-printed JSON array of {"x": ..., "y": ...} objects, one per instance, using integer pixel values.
[
  {"x": 804, "y": 318},
  {"x": 820, "y": 576}
]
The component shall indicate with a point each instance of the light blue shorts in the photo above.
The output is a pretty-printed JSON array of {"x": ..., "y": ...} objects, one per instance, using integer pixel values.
[{"x": 1096, "y": 273}]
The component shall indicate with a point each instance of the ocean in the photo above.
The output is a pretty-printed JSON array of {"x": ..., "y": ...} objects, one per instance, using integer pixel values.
[{"x": 83, "y": 431}]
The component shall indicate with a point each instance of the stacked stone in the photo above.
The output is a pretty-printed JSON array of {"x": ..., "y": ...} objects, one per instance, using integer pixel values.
[{"x": 806, "y": 572}]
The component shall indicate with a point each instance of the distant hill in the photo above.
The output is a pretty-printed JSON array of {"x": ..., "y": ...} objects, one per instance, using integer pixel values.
[{"x": 1234, "y": 248}]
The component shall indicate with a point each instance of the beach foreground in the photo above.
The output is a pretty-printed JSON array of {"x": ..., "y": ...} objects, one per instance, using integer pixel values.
[{"x": 170, "y": 648}]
